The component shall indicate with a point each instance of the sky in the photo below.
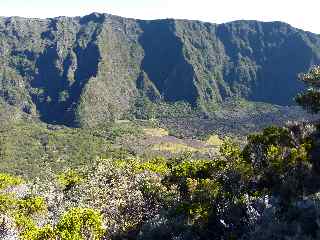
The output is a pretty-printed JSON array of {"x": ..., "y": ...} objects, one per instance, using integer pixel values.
[{"x": 302, "y": 14}]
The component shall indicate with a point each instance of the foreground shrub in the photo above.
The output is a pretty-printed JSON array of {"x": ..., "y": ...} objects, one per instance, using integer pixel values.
[
  {"x": 7, "y": 180},
  {"x": 80, "y": 224}
]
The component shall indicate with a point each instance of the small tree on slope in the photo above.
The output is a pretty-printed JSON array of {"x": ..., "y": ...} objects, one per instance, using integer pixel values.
[{"x": 310, "y": 100}]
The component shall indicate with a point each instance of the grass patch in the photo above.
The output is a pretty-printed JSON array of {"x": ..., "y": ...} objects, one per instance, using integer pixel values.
[
  {"x": 214, "y": 140},
  {"x": 173, "y": 148},
  {"x": 156, "y": 132}
]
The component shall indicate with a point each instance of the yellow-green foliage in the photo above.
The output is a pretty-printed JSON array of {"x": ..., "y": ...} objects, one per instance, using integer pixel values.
[
  {"x": 25, "y": 225},
  {"x": 200, "y": 188},
  {"x": 31, "y": 205},
  {"x": 7, "y": 180},
  {"x": 69, "y": 179},
  {"x": 230, "y": 150},
  {"x": 43, "y": 233},
  {"x": 75, "y": 224},
  {"x": 280, "y": 158},
  {"x": 30, "y": 231},
  {"x": 275, "y": 156},
  {"x": 22, "y": 210},
  {"x": 121, "y": 164},
  {"x": 155, "y": 190},
  {"x": 28, "y": 205},
  {"x": 7, "y": 203},
  {"x": 234, "y": 159},
  {"x": 300, "y": 154},
  {"x": 242, "y": 167},
  {"x": 197, "y": 168},
  {"x": 157, "y": 165},
  {"x": 80, "y": 224}
]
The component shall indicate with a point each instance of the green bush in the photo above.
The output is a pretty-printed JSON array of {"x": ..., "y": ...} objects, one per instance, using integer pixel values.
[
  {"x": 75, "y": 224},
  {"x": 156, "y": 165},
  {"x": 30, "y": 231},
  {"x": 7, "y": 203},
  {"x": 80, "y": 224},
  {"x": 69, "y": 179},
  {"x": 197, "y": 168},
  {"x": 31, "y": 205},
  {"x": 7, "y": 180}
]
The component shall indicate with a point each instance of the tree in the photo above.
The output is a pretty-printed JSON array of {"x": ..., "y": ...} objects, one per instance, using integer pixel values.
[{"x": 310, "y": 100}]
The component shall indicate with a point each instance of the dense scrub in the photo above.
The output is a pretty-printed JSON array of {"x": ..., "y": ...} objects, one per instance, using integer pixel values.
[{"x": 267, "y": 190}]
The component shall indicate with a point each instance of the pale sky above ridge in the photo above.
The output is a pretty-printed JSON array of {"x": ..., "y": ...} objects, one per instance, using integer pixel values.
[{"x": 301, "y": 14}]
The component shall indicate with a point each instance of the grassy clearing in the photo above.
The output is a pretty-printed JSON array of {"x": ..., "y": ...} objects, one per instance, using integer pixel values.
[
  {"x": 173, "y": 148},
  {"x": 214, "y": 140},
  {"x": 156, "y": 132}
]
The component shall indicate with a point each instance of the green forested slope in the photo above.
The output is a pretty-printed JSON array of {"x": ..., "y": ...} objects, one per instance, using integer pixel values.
[{"x": 82, "y": 71}]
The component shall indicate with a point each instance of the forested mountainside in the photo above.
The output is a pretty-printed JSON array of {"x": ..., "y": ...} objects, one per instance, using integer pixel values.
[
  {"x": 115, "y": 128},
  {"x": 81, "y": 71}
]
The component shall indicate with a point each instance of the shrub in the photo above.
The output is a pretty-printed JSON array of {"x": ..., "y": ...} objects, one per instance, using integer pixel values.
[
  {"x": 31, "y": 205},
  {"x": 7, "y": 203},
  {"x": 197, "y": 168},
  {"x": 29, "y": 231},
  {"x": 80, "y": 224},
  {"x": 25, "y": 225},
  {"x": 310, "y": 100},
  {"x": 44, "y": 233},
  {"x": 7, "y": 180},
  {"x": 156, "y": 165},
  {"x": 69, "y": 179}
]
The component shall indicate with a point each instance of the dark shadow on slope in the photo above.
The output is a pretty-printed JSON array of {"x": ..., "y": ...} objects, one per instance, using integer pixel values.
[
  {"x": 279, "y": 74},
  {"x": 59, "y": 95},
  {"x": 50, "y": 83},
  {"x": 164, "y": 62},
  {"x": 88, "y": 61},
  {"x": 278, "y": 51}
]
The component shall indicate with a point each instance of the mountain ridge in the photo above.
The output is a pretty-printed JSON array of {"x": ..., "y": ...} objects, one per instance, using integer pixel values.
[
  {"x": 156, "y": 19},
  {"x": 83, "y": 70}
]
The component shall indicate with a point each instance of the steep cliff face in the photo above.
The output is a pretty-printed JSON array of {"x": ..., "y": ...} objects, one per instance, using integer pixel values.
[
  {"x": 266, "y": 58},
  {"x": 69, "y": 70},
  {"x": 257, "y": 61},
  {"x": 83, "y": 71}
]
